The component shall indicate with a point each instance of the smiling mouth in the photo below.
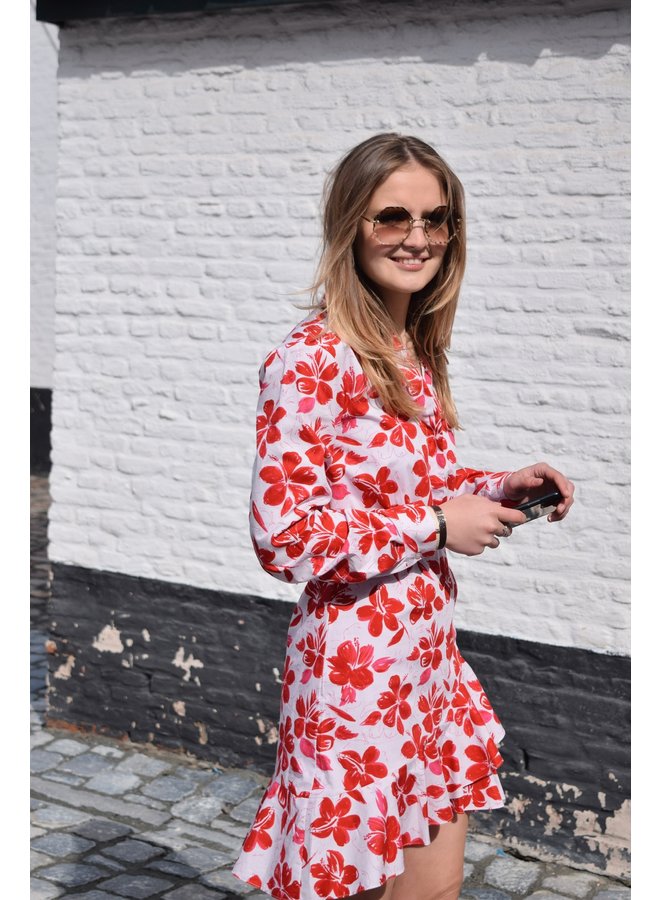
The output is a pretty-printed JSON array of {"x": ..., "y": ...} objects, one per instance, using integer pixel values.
[{"x": 412, "y": 263}]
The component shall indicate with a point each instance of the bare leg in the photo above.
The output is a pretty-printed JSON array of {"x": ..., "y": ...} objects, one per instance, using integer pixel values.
[
  {"x": 379, "y": 893},
  {"x": 434, "y": 872}
]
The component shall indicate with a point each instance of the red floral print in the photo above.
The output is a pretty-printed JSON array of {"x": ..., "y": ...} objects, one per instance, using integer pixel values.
[
  {"x": 350, "y": 668},
  {"x": 258, "y": 836},
  {"x": 376, "y": 489},
  {"x": 352, "y": 399},
  {"x": 403, "y": 789},
  {"x": 395, "y": 703},
  {"x": 267, "y": 430},
  {"x": 282, "y": 885},
  {"x": 383, "y": 723},
  {"x": 334, "y": 876},
  {"x": 315, "y": 377},
  {"x": 288, "y": 479},
  {"x": 361, "y": 769},
  {"x": 334, "y": 820},
  {"x": 384, "y": 839},
  {"x": 382, "y": 611}
]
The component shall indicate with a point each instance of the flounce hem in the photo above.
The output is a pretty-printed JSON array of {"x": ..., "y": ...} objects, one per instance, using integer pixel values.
[{"x": 342, "y": 839}]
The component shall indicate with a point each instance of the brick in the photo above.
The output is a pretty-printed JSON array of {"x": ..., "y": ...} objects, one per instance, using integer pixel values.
[
  {"x": 194, "y": 892},
  {"x": 131, "y": 851},
  {"x": 71, "y": 874},
  {"x": 101, "y": 830},
  {"x": 62, "y": 844},
  {"x": 137, "y": 886},
  {"x": 512, "y": 874},
  {"x": 96, "y": 802},
  {"x": 43, "y": 890}
]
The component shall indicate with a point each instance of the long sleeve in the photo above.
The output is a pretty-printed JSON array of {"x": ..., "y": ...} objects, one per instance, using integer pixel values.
[
  {"x": 455, "y": 479},
  {"x": 297, "y": 528}
]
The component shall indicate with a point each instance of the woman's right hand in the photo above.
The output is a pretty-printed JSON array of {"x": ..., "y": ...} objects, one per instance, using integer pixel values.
[{"x": 474, "y": 523}]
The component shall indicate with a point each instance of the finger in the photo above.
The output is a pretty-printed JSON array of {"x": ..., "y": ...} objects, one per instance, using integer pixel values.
[
  {"x": 561, "y": 512},
  {"x": 494, "y": 543},
  {"x": 530, "y": 481},
  {"x": 511, "y": 516},
  {"x": 564, "y": 505},
  {"x": 563, "y": 485}
]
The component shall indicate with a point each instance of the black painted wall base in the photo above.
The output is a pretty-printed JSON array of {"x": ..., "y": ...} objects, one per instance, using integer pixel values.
[
  {"x": 198, "y": 670},
  {"x": 40, "y": 417}
]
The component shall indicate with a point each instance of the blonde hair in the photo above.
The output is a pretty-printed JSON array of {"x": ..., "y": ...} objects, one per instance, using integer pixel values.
[{"x": 354, "y": 310}]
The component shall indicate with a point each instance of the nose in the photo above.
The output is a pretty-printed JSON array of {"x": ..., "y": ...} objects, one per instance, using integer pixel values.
[{"x": 417, "y": 237}]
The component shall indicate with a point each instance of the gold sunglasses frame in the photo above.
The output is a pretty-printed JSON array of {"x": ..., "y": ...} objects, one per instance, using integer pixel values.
[{"x": 412, "y": 221}]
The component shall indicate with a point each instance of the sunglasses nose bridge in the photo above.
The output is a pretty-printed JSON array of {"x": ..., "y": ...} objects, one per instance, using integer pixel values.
[{"x": 418, "y": 223}]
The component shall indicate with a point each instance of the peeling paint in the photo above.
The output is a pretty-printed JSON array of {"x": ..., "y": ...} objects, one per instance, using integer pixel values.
[
  {"x": 129, "y": 642},
  {"x": 586, "y": 822},
  {"x": 276, "y": 673},
  {"x": 237, "y": 646},
  {"x": 108, "y": 640},
  {"x": 565, "y": 788},
  {"x": 127, "y": 662},
  {"x": 203, "y": 733},
  {"x": 261, "y": 725},
  {"x": 532, "y": 779},
  {"x": 187, "y": 664},
  {"x": 618, "y": 824},
  {"x": 601, "y": 798},
  {"x": 614, "y": 843},
  {"x": 258, "y": 741},
  {"x": 179, "y": 707},
  {"x": 518, "y": 805},
  {"x": 271, "y": 736},
  {"x": 257, "y": 687},
  {"x": 586, "y": 826},
  {"x": 64, "y": 671},
  {"x": 146, "y": 636},
  {"x": 553, "y": 820}
]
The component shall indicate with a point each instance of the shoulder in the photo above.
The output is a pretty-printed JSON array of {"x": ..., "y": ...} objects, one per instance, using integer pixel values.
[{"x": 311, "y": 344}]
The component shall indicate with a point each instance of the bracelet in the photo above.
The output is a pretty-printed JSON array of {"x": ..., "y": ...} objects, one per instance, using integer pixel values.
[{"x": 442, "y": 526}]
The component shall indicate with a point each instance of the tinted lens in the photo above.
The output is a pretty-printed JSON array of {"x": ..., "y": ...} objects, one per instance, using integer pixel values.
[
  {"x": 438, "y": 225},
  {"x": 392, "y": 225}
]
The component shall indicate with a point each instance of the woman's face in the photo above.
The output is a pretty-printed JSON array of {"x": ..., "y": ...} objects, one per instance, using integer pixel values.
[{"x": 402, "y": 270}]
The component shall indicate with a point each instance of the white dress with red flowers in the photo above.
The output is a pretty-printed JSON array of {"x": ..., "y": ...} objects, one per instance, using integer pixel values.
[{"x": 384, "y": 728}]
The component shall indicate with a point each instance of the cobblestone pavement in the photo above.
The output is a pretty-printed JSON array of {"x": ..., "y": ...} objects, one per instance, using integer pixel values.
[{"x": 112, "y": 819}]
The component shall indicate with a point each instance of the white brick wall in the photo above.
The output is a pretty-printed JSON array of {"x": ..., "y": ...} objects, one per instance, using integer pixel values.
[
  {"x": 192, "y": 155},
  {"x": 43, "y": 158}
]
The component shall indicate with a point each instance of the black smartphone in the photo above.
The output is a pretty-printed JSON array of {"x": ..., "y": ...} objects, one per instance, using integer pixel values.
[{"x": 538, "y": 507}]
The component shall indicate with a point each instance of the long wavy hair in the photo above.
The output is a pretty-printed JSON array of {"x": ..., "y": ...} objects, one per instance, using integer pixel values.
[{"x": 354, "y": 309}]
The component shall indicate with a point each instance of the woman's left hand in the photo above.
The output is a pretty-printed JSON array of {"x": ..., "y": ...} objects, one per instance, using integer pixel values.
[{"x": 537, "y": 480}]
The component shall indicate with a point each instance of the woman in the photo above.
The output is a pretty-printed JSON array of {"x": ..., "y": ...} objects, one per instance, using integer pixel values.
[{"x": 386, "y": 736}]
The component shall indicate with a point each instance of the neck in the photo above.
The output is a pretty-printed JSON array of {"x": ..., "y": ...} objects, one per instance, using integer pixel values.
[{"x": 397, "y": 306}]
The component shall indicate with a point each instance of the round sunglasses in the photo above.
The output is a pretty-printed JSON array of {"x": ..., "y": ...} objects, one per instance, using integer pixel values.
[{"x": 392, "y": 225}]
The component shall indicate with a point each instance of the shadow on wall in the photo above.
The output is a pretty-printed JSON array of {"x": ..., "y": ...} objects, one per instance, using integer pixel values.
[{"x": 450, "y": 34}]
